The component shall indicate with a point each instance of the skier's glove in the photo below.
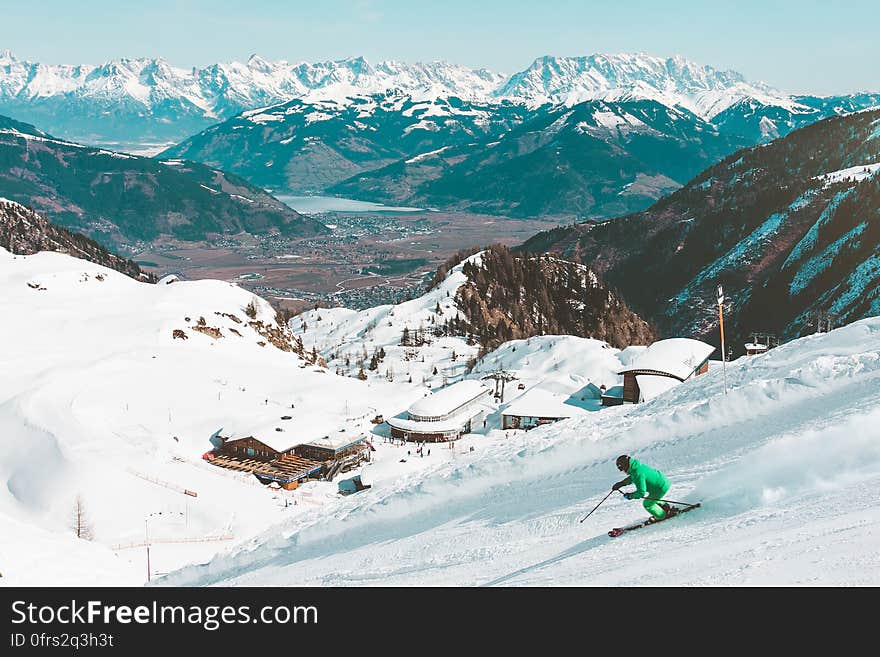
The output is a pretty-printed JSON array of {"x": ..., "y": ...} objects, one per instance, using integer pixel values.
[
  {"x": 617, "y": 486},
  {"x": 628, "y": 496}
]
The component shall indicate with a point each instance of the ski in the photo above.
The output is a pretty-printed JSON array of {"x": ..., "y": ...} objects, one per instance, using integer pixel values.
[{"x": 617, "y": 531}]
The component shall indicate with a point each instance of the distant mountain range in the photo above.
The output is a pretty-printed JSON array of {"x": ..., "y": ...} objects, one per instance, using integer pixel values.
[
  {"x": 574, "y": 138},
  {"x": 308, "y": 147},
  {"x": 593, "y": 160},
  {"x": 791, "y": 229},
  {"x": 114, "y": 197},
  {"x": 136, "y": 100}
]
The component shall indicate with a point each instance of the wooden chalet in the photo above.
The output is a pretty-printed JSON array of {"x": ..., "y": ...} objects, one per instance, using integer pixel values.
[{"x": 289, "y": 465}]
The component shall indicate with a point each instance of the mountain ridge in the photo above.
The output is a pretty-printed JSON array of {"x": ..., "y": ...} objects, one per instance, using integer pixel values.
[
  {"x": 115, "y": 197},
  {"x": 788, "y": 228},
  {"x": 169, "y": 102},
  {"x": 25, "y": 232}
]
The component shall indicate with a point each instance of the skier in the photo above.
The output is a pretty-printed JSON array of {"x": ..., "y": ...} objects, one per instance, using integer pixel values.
[{"x": 649, "y": 483}]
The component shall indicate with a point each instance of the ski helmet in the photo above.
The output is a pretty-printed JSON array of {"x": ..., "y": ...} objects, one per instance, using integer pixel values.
[{"x": 623, "y": 463}]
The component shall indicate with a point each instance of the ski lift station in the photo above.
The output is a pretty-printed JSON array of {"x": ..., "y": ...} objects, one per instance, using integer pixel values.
[
  {"x": 444, "y": 415},
  {"x": 760, "y": 342},
  {"x": 663, "y": 365}
]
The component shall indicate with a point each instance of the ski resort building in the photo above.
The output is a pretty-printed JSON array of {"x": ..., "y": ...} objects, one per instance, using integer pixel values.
[
  {"x": 444, "y": 415},
  {"x": 537, "y": 407},
  {"x": 275, "y": 459},
  {"x": 663, "y": 365}
]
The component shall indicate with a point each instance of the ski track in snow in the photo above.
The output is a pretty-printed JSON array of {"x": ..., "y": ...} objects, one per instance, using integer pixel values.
[{"x": 786, "y": 465}]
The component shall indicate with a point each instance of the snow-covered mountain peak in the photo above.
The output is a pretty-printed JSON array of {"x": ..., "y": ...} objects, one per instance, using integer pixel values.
[
  {"x": 257, "y": 63},
  {"x": 630, "y": 76},
  {"x": 11, "y": 204},
  {"x": 151, "y": 96},
  {"x": 236, "y": 86}
]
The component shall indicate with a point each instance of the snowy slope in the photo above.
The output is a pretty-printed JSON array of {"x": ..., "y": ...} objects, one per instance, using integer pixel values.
[
  {"x": 555, "y": 363},
  {"x": 786, "y": 465},
  {"x": 346, "y": 339},
  {"x": 99, "y": 399}
]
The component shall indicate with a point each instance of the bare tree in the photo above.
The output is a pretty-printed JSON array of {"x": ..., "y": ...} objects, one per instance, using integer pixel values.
[
  {"x": 80, "y": 521},
  {"x": 251, "y": 309}
]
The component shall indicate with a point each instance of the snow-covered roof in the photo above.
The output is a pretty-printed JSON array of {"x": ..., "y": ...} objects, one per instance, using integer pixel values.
[
  {"x": 282, "y": 441},
  {"x": 338, "y": 440},
  {"x": 311, "y": 423},
  {"x": 614, "y": 391},
  {"x": 541, "y": 403},
  {"x": 651, "y": 385},
  {"x": 454, "y": 423},
  {"x": 678, "y": 357},
  {"x": 448, "y": 399}
]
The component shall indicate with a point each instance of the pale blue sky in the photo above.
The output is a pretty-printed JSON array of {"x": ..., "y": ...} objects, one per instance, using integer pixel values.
[{"x": 803, "y": 46}]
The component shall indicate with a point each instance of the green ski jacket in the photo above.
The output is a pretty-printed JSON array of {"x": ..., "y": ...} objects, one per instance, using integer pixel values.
[{"x": 644, "y": 478}]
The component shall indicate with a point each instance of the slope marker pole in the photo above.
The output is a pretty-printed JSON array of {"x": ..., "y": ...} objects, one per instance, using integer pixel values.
[{"x": 721, "y": 322}]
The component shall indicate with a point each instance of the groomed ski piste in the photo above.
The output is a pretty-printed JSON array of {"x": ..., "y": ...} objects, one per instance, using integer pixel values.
[
  {"x": 786, "y": 465},
  {"x": 98, "y": 399}
]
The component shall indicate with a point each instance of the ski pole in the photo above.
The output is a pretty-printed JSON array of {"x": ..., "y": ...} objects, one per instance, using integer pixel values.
[
  {"x": 669, "y": 501},
  {"x": 596, "y": 507}
]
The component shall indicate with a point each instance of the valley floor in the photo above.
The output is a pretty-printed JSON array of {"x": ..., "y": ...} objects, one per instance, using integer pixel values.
[{"x": 368, "y": 259}]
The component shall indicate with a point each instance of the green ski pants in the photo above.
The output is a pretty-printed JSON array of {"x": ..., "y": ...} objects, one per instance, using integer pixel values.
[{"x": 652, "y": 507}]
